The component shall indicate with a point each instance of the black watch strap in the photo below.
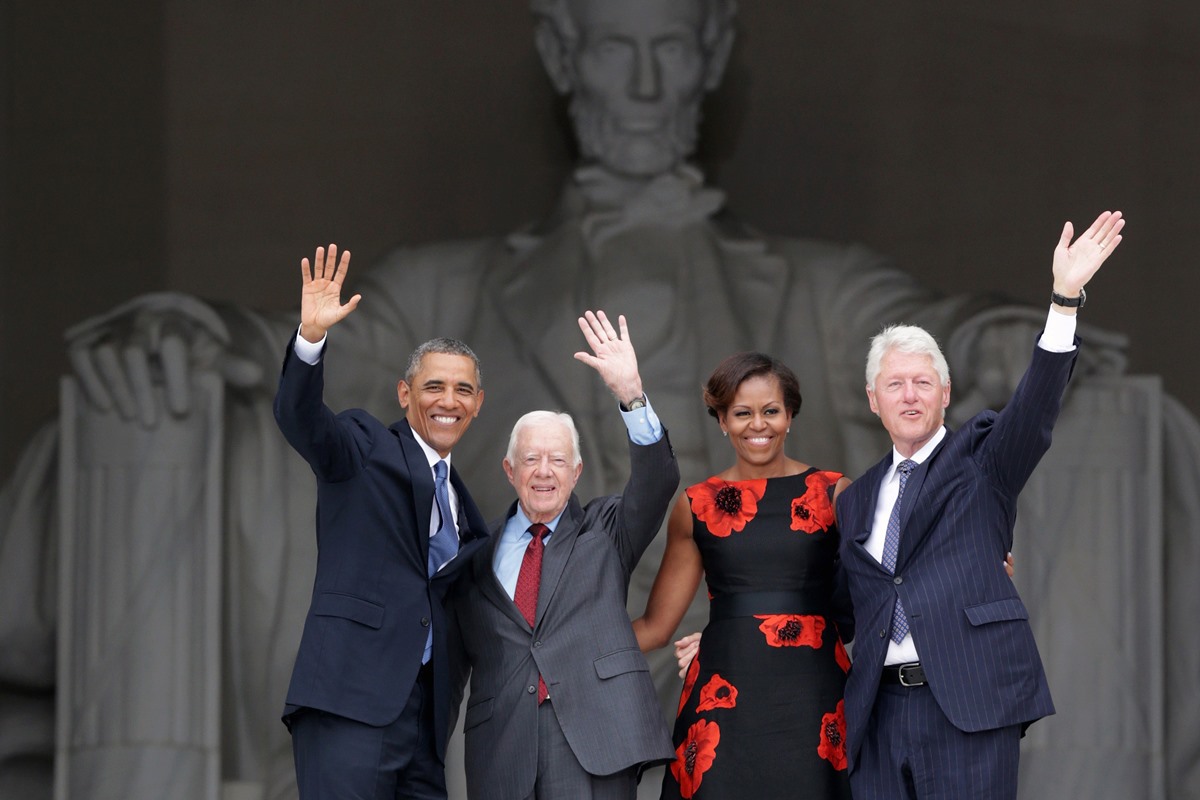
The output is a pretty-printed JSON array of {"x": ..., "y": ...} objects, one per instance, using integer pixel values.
[{"x": 1069, "y": 302}]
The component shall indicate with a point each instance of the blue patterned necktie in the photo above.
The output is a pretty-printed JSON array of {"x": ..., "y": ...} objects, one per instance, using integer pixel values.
[
  {"x": 891, "y": 548},
  {"x": 443, "y": 545}
]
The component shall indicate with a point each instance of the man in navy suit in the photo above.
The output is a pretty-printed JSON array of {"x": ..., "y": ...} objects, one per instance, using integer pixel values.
[
  {"x": 369, "y": 699},
  {"x": 946, "y": 673}
]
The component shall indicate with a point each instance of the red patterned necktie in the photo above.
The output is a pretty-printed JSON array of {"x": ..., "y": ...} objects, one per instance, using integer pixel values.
[{"x": 528, "y": 581}]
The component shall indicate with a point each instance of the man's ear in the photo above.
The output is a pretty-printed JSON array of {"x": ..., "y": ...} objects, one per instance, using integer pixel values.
[
  {"x": 718, "y": 59},
  {"x": 555, "y": 56},
  {"x": 871, "y": 401}
]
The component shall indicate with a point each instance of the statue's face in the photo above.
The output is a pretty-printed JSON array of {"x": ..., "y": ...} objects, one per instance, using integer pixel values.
[{"x": 640, "y": 76}]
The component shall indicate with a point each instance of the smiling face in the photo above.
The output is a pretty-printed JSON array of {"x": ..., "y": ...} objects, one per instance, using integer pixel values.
[
  {"x": 909, "y": 398},
  {"x": 640, "y": 75},
  {"x": 757, "y": 422},
  {"x": 442, "y": 399},
  {"x": 543, "y": 469}
]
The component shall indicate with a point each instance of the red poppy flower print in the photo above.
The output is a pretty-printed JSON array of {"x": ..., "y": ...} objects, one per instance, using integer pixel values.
[
  {"x": 792, "y": 630},
  {"x": 841, "y": 656},
  {"x": 694, "y": 756},
  {"x": 833, "y": 737},
  {"x": 717, "y": 693},
  {"x": 813, "y": 511},
  {"x": 688, "y": 682},
  {"x": 726, "y": 506}
]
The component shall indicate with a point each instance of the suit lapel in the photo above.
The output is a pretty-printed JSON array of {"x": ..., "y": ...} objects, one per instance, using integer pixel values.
[
  {"x": 912, "y": 534},
  {"x": 485, "y": 575},
  {"x": 557, "y": 553},
  {"x": 420, "y": 484},
  {"x": 470, "y": 521},
  {"x": 865, "y": 513}
]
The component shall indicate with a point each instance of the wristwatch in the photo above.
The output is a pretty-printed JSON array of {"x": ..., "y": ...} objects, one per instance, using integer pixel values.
[
  {"x": 636, "y": 403},
  {"x": 1069, "y": 302}
]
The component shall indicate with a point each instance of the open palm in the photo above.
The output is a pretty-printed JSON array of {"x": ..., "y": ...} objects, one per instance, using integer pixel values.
[
  {"x": 321, "y": 304},
  {"x": 1075, "y": 263}
]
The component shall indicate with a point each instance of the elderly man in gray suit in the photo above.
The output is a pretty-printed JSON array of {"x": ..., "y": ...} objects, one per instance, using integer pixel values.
[{"x": 562, "y": 704}]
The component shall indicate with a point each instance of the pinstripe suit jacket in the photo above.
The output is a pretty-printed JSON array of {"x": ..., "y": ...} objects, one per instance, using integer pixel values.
[
  {"x": 581, "y": 643},
  {"x": 970, "y": 627}
]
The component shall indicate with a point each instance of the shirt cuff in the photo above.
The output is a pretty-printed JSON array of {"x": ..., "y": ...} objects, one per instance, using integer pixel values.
[
  {"x": 642, "y": 424},
  {"x": 1059, "y": 334},
  {"x": 308, "y": 352}
]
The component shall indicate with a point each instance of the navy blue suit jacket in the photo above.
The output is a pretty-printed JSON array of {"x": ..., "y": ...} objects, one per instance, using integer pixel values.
[
  {"x": 372, "y": 600},
  {"x": 970, "y": 627}
]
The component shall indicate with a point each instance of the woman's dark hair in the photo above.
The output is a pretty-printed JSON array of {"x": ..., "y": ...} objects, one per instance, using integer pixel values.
[{"x": 723, "y": 384}]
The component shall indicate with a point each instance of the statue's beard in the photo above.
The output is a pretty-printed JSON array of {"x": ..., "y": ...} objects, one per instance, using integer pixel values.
[{"x": 637, "y": 153}]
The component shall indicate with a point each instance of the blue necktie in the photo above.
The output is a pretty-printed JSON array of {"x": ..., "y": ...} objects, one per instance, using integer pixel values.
[
  {"x": 443, "y": 545},
  {"x": 891, "y": 548}
]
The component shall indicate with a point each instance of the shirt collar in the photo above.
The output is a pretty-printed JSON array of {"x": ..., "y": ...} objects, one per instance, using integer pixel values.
[
  {"x": 920, "y": 455},
  {"x": 431, "y": 455},
  {"x": 520, "y": 522}
]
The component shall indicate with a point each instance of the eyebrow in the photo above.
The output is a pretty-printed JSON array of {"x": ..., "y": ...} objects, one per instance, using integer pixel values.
[{"x": 434, "y": 383}]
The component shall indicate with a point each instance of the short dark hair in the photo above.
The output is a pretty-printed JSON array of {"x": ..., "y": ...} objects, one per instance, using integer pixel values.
[
  {"x": 447, "y": 346},
  {"x": 731, "y": 373}
]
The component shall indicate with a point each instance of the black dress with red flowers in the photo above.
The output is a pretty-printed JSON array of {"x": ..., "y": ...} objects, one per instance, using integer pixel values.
[{"x": 761, "y": 710}]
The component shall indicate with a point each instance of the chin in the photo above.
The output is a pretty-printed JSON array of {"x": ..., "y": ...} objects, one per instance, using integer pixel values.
[{"x": 633, "y": 155}]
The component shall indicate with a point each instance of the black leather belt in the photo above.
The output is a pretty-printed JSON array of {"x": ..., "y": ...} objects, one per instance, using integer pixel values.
[{"x": 904, "y": 675}]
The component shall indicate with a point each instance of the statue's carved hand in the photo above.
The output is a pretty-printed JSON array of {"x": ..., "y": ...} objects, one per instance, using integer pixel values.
[
  {"x": 122, "y": 357},
  {"x": 989, "y": 355}
]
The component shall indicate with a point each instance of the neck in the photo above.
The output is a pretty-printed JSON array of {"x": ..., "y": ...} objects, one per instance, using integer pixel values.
[{"x": 777, "y": 468}]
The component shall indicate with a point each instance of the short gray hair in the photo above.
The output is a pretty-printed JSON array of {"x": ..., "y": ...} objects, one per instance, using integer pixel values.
[
  {"x": 538, "y": 418},
  {"x": 446, "y": 346},
  {"x": 905, "y": 339},
  {"x": 718, "y": 17}
]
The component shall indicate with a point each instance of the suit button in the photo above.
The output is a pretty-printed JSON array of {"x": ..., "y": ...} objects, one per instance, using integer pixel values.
[
  {"x": 424, "y": 622},
  {"x": 531, "y": 688},
  {"x": 897, "y": 580},
  {"x": 882, "y": 634},
  {"x": 538, "y": 643}
]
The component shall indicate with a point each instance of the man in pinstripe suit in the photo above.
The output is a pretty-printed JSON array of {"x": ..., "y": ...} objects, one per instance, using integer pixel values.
[
  {"x": 946, "y": 673},
  {"x": 562, "y": 704}
]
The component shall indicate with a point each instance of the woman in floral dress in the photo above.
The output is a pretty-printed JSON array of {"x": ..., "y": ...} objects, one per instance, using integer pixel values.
[{"x": 760, "y": 715}]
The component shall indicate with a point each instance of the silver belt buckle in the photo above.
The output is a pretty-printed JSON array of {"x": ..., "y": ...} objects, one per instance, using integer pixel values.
[{"x": 904, "y": 681}]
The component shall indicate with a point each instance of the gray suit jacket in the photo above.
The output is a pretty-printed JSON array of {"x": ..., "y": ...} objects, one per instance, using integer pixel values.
[{"x": 582, "y": 642}]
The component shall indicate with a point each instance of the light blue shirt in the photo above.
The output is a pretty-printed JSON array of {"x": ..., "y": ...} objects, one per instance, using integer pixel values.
[{"x": 644, "y": 428}]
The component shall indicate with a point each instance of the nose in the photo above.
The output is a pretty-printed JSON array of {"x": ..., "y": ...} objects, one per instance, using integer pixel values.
[
  {"x": 646, "y": 83},
  {"x": 910, "y": 392}
]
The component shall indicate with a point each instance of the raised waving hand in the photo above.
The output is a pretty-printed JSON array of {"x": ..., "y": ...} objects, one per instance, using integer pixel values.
[
  {"x": 612, "y": 355},
  {"x": 321, "y": 304}
]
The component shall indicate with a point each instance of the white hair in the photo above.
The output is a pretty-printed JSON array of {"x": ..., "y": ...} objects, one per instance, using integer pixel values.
[
  {"x": 539, "y": 418},
  {"x": 905, "y": 339}
]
